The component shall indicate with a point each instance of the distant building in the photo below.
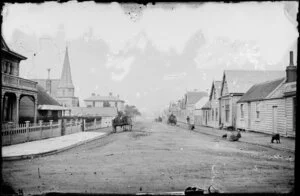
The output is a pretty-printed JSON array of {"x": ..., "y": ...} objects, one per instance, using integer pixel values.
[
  {"x": 270, "y": 107},
  {"x": 199, "y": 115},
  {"x": 214, "y": 120},
  {"x": 206, "y": 108},
  {"x": 14, "y": 88},
  {"x": 187, "y": 105},
  {"x": 61, "y": 89},
  {"x": 234, "y": 84},
  {"x": 105, "y": 101}
]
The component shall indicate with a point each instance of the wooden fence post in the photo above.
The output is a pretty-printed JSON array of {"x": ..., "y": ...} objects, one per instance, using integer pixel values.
[
  {"x": 50, "y": 121},
  {"x": 41, "y": 128},
  {"x": 27, "y": 130},
  {"x": 83, "y": 126},
  {"x": 10, "y": 131},
  {"x": 59, "y": 125}
]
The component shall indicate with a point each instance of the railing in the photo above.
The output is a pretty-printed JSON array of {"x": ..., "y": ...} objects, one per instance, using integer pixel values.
[
  {"x": 18, "y": 133},
  {"x": 14, "y": 81}
]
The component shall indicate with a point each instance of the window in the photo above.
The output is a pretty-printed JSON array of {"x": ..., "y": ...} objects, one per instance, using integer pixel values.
[
  {"x": 216, "y": 114},
  {"x": 227, "y": 110},
  {"x": 116, "y": 104},
  {"x": 212, "y": 114},
  {"x": 257, "y": 110},
  {"x": 106, "y": 104},
  {"x": 242, "y": 110}
]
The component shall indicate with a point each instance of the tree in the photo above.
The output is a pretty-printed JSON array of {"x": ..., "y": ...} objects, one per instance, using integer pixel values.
[{"x": 131, "y": 110}]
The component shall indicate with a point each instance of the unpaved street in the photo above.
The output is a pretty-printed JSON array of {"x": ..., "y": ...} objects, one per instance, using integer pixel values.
[{"x": 155, "y": 157}]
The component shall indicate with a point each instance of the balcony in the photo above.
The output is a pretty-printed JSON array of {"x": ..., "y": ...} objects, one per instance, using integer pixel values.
[{"x": 17, "y": 82}]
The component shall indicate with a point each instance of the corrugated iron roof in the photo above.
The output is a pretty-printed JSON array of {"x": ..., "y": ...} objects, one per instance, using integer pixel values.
[
  {"x": 194, "y": 96},
  {"x": 54, "y": 85},
  {"x": 94, "y": 111},
  {"x": 261, "y": 90},
  {"x": 201, "y": 102},
  {"x": 239, "y": 81},
  {"x": 44, "y": 98},
  {"x": 206, "y": 106}
]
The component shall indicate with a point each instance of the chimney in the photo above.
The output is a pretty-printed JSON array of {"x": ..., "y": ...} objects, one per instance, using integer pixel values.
[
  {"x": 48, "y": 83},
  {"x": 291, "y": 70},
  {"x": 48, "y": 74}
]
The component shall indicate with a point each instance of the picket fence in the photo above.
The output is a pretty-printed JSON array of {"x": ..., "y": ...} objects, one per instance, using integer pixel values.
[{"x": 19, "y": 133}]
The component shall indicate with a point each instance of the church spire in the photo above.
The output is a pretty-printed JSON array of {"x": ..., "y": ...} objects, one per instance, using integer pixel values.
[{"x": 66, "y": 77}]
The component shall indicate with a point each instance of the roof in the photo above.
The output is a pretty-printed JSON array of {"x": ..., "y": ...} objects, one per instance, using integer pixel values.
[
  {"x": 239, "y": 81},
  {"x": 201, "y": 102},
  {"x": 206, "y": 106},
  {"x": 194, "y": 96},
  {"x": 261, "y": 90},
  {"x": 54, "y": 85},
  {"x": 44, "y": 98},
  {"x": 216, "y": 85},
  {"x": 5, "y": 48},
  {"x": 95, "y": 111},
  {"x": 66, "y": 77},
  {"x": 103, "y": 98},
  {"x": 52, "y": 107}
]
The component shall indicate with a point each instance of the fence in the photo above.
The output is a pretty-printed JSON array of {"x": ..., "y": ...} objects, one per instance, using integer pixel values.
[{"x": 19, "y": 133}]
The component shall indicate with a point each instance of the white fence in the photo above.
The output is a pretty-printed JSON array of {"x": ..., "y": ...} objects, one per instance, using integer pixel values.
[
  {"x": 14, "y": 134},
  {"x": 19, "y": 133}
]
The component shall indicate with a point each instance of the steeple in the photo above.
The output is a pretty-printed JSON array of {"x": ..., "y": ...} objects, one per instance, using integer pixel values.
[{"x": 66, "y": 77}]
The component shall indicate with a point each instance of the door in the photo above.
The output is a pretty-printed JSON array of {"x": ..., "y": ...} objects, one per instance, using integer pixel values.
[
  {"x": 206, "y": 115},
  {"x": 249, "y": 116},
  {"x": 274, "y": 115}
]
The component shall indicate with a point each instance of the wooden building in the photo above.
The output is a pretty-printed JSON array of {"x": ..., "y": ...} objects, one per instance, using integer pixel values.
[
  {"x": 48, "y": 108},
  {"x": 198, "y": 113},
  {"x": 270, "y": 107},
  {"x": 14, "y": 88},
  {"x": 206, "y": 111},
  {"x": 214, "y": 120},
  {"x": 234, "y": 84}
]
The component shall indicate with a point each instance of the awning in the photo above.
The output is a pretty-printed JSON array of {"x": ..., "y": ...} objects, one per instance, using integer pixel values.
[{"x": 52, "y": 107}]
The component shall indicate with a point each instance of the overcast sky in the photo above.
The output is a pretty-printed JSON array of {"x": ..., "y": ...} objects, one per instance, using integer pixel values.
[{"x": 152, "y": 54}]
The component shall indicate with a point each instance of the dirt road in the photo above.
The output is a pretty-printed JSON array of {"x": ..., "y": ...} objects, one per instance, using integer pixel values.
[{"x": 155, "y": 157}]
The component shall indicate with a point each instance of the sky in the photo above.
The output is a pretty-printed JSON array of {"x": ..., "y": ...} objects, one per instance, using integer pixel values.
[{"x": 149, "y": 54}]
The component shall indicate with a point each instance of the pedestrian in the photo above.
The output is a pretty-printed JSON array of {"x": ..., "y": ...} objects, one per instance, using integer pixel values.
[{"x": 188, "y": 121}]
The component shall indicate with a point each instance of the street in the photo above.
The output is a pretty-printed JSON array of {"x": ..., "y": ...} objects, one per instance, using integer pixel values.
[{"x": 155, "y": 157}]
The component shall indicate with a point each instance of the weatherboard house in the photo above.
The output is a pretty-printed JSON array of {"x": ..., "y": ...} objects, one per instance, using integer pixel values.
[
  {"x": 270, "y": 107},
  {"x": 234, "y": 84},
  {"x": 214, "y": 120}
]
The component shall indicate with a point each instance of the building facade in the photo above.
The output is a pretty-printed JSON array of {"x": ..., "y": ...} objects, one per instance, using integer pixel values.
[
  {"x": 105, "y": 101},
  {"x": 270, "y": 107},
  {"x": 214, "y": 120},
  {"x": 14, "y": 88},
  {"x": 234, "y": 84}
]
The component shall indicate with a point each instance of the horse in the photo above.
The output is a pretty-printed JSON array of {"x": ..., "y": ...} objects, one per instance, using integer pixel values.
[{"x": 122, "y": 121}]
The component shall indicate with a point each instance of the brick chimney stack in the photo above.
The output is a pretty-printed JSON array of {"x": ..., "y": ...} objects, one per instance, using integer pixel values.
[{"x": 291, "y": 70}]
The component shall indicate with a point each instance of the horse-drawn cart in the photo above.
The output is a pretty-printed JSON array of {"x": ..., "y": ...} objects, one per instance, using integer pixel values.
[{"x": 123, "y": 121}]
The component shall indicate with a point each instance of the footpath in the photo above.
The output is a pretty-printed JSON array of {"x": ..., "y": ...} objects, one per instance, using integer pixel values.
[
  {"x": 260, "y": 139},
  {"x": 49, "y": 146}
]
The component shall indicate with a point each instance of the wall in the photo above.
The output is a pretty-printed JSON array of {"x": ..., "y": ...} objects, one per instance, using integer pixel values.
[{"x": 265, "y": 123}]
